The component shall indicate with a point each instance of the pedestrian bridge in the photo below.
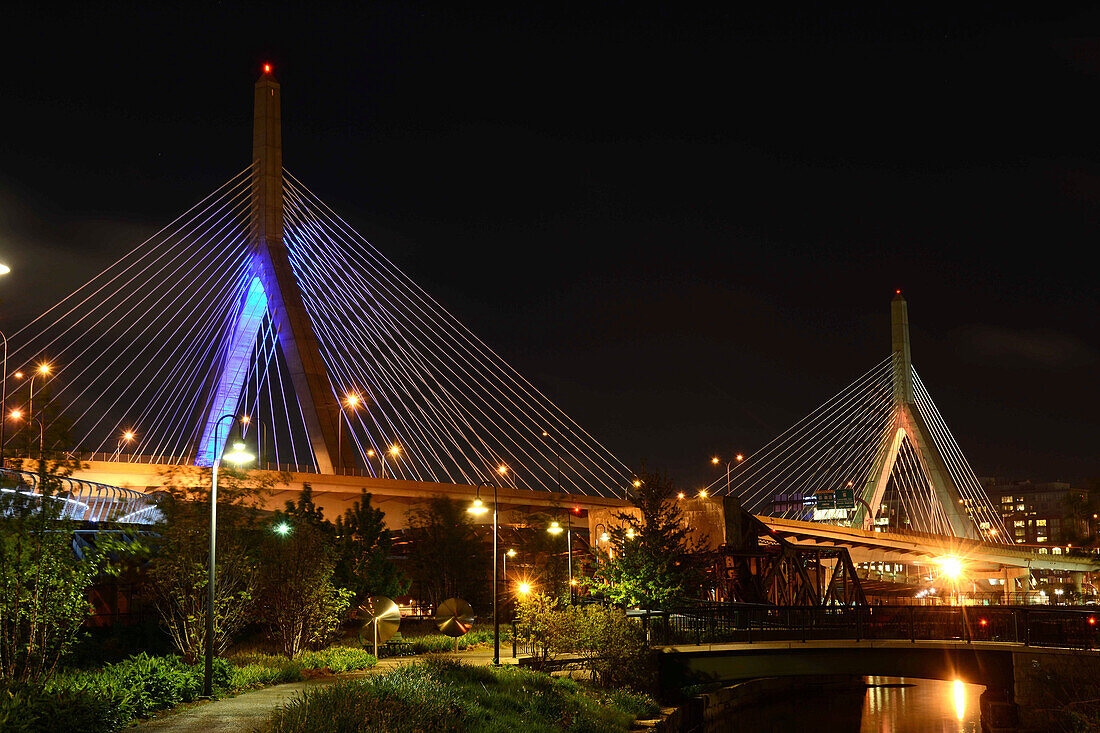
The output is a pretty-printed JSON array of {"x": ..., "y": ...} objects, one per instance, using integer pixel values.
[{"x": 82, "y": 500}]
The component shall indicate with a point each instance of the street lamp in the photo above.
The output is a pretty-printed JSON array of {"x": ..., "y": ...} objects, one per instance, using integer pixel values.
[
  {"x": 557, "y": 455},
  {"x": 394, "y": 450},
  {"x": 17, "y": 415},
  {"x": 127, "y": 437},
  {"x": 261, "y": 439},
  {"x": 4, "y": 270},
  {"x": 736, "y": 459},
  {"x": 478, "y": 507},
  {"x": 44, "y": 370},
  {"x": 352, "y": 402},
  {"x": 555, "y": 529},
  {"x": 240, "y": 457},
  {"x": 510, "y": 553}
]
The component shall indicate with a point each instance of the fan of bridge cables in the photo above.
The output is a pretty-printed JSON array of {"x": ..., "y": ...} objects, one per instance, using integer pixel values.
[
  {"x": 131, "y": 361},
  {"x": 841, "y": 445}
]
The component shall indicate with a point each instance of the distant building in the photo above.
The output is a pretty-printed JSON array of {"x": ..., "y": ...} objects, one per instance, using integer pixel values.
[{"x": 1042, "y": 514}]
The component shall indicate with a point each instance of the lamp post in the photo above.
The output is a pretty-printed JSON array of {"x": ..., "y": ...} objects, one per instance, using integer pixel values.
[
  {"x": 557, "y": 455},
  {"x": 394, "y": 450},
  {"x": 43, "y": 369},
  {"x": 238, "y": 456},
  {"x": 510, "y": 553},
  {"x": 555, "y": 529},
  {"x": 600, "y": 537},
  {"x": 3, "y": 390},
  {"x": 125, "y": 438},
  {"x": 17, "y": 415},
  {"x": 4, "y": 270},
  {"x": 352, "y": 402},
  {"x": 737, "y": 459},
  {"x": 261, "y": 441},
  {"x": 478, "y": 507}
]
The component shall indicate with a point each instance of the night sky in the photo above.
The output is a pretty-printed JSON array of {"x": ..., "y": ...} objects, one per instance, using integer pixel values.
[{"x": 684, "y": 226}]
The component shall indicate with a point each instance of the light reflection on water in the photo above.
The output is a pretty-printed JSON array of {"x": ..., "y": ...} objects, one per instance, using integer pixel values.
[{"x": 907, "y": 705}]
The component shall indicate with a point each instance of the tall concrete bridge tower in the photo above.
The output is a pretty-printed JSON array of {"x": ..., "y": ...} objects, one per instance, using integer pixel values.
[
  {"x": 908, "y": 425},
  {"x": 274, "y": 292}
]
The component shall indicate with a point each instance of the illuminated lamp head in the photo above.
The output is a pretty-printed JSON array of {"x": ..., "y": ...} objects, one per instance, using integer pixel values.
[{"x": 267, "y": 68}]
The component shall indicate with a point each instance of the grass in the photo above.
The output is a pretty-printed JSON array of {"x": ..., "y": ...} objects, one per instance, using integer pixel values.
[{"x": 442, "y": 695}]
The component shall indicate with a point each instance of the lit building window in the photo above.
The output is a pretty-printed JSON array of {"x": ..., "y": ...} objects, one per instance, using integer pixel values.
[
  {"x": 1041, "y": 522},
  {"x": 1056, "y": 550}
]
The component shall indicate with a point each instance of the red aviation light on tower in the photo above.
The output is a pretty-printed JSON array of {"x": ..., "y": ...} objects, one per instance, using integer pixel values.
[{"x": 267, "y": 68}]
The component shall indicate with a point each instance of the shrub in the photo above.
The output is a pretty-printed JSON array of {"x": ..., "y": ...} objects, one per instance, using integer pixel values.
[
  {"x": 33, "y": 708},
  {"x": 612, "y": 646},
  {"x": 338, "y": 659},
  {"x": 250, "y": 676},
  {"x": 441, "y": 695}
]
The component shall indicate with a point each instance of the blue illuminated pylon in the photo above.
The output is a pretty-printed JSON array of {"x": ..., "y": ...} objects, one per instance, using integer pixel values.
[
  {"x": 235, "y": 365},
  {"x": 274, "y": 291}
]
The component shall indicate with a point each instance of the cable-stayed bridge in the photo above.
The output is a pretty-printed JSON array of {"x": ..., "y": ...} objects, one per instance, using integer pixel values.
[{"x": 261, "y": 302}]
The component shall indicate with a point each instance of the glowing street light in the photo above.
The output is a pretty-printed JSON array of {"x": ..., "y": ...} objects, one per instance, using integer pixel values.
[
  {"x": 951, "y": 567},
  {"x": 43, "y": 370},
  {"x": 239, "y": 456},
  {"x": 554, "y": 528},
  {"x": 702, "y": 493},
  {"x": 478, "y": 507},
  {"x": 352, "y": 402},
  {"x": 523, "y": 588},
  {"x": 282, "y": 529},
  {"x": 680, "y": 495},
  {"x": 127, "y": 437},
  {"x": 510, "y": 552},
  {"x": 736, "y": 459}
]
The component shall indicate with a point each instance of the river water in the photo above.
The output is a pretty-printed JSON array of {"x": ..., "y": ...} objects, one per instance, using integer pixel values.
[{"x": 887, "y": 705}]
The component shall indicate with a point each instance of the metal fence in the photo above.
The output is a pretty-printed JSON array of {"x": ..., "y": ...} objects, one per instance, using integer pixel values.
[
  {"x": 85, "y": 500},
  {"x": 717, "y": 623}
]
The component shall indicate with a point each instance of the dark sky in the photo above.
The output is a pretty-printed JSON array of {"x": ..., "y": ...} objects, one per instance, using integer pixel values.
[{"x": 685, "y": 226}]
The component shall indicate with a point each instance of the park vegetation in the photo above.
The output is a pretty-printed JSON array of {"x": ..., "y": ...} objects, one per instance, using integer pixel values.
[{"x": 440, "y": 695}]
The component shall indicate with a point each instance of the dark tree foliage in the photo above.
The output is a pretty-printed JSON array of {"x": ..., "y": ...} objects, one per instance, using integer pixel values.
[
  {"x": 448, "y": 558},
  {"x": 43, "y": 583},
  {"x": 651, "y": 563},
  {"x": 295, "y": 594},
  {"x": 364, "y": 544}
]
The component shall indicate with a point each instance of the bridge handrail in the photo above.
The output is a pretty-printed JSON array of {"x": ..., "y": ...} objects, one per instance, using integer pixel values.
[
  {"x": 88, "y": 501},
  {"x": 1029, "y": 625}
]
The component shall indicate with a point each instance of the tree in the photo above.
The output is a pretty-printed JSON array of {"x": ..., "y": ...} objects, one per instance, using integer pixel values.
[
  {"x": 178, "y": 567},
  {"x": 447, "y": 558},
  {"x": 651, "y": 563},
  {"x": 43, "y": 584},
  {"x": 364, "y": 545},
  {"x": 295, "y": 594}
]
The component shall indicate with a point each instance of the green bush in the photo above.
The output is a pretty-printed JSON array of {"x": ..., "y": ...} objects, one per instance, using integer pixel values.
[
  {"x": 251, "y": 676},
  {"x": 34, "y": 708},
  {"x": 441, "y": 695},
  {"x": 338, "y": 659}
]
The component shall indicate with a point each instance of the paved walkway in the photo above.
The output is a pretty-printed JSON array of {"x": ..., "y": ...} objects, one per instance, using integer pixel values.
[{"x": 250, "y": 709}]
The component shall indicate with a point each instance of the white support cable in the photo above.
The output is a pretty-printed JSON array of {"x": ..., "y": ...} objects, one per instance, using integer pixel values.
[
  {"x": 781, "y": 445},
  {"x": 246, "y": 170},
  {"x": 170, "y": 250},
  {"x": 114, "y": 346},
  {"x": 558, "y": 423},
  {"x": 545, "y": 457},
  {"x": 787, "y": 452},
  {"x": 179, "y": 367}
]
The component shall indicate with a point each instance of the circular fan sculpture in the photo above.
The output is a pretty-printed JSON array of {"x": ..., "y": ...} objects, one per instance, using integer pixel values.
[
  {"x": 378, "y": 614},
  {"x": 454, "y": 617}
]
